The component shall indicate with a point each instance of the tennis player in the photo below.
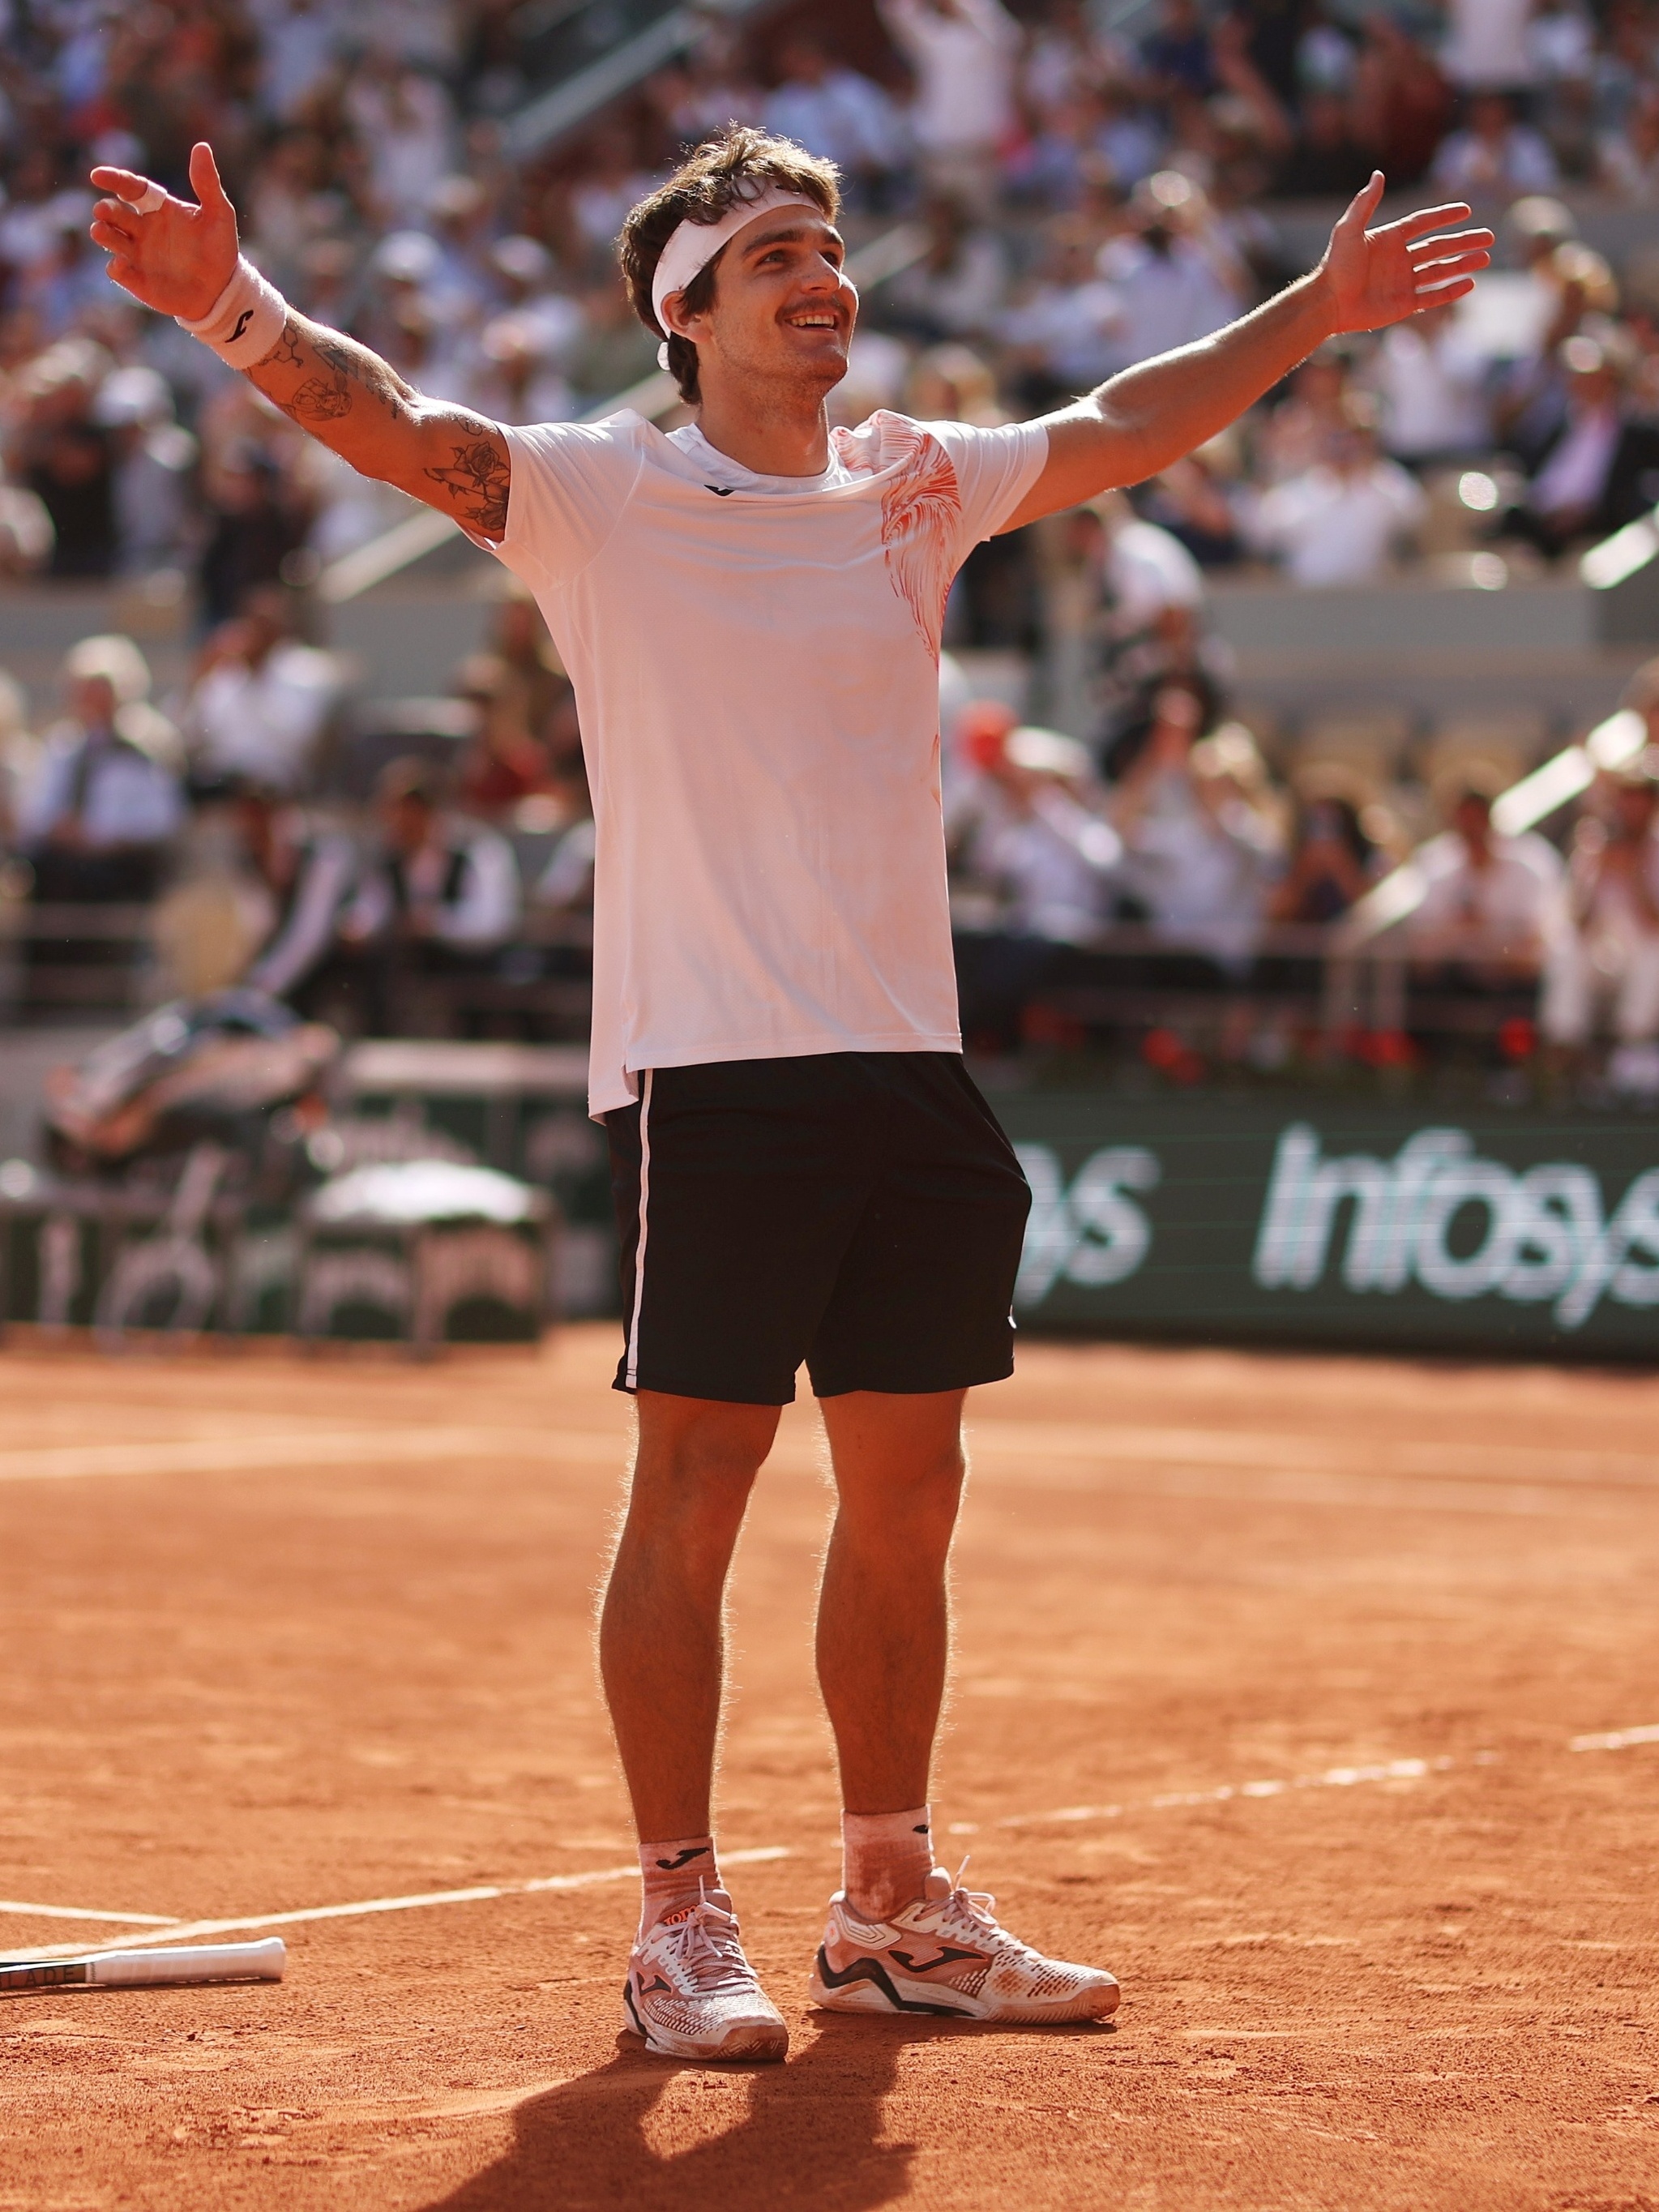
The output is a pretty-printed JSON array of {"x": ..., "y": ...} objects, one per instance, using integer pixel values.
[{"x": 750, "y": 609}]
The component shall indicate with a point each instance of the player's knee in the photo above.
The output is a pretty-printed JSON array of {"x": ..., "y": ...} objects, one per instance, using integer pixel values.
[
  {"x": 919, "y": 1492},
  {"x": 694, "y": 1494}
]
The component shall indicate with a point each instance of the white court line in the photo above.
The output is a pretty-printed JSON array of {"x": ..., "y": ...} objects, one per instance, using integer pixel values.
[
  {"x": 74, "y": 1912},
  {"x": 176, "y": 1931},
  {"x": 257, "y": 1455},
  {"x": 1333, "y": 1777},
  {"x": 1282, "y": 1451},
  {"x": 1360, "y": 1493},
  {"x": 1300, "y": 1469}
]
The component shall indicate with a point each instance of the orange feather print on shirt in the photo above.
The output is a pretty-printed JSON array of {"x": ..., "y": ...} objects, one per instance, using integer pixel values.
[{"x": 920, "y": 512}]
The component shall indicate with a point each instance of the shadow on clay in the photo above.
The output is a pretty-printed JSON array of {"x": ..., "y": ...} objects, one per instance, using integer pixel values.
[{"x": 813, "y": 2133}]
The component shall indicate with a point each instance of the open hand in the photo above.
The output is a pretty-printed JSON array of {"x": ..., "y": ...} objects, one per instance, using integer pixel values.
[
  {"x": 1376, "y": 277},
  {"x": 179, "y": 259}
]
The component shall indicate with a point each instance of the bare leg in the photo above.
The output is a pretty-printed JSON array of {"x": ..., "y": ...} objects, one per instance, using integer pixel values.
[
  {"x": 884, "y": 1613},
  {"x": 662, "y": 1639}
]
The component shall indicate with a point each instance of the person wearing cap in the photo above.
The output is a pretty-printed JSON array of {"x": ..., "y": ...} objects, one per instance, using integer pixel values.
[{"x": 749, "y": 607}]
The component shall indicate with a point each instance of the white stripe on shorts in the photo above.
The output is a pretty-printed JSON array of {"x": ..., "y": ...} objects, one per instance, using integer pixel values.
[{"x": 632, "y": 1377}]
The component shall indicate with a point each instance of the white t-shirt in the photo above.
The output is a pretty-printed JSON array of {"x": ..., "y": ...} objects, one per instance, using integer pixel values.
[
  {"x": 1331, "y": 528},
  {"x": 755, "y": 662},
  {"x": 264, "y": 721}
]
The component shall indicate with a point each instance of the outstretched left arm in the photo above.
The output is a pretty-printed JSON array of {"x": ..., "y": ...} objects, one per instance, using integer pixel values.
[{"x": 1152, "y": 414}]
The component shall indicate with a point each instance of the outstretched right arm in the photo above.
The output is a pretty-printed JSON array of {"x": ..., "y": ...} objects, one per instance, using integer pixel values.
[{"x": 179, "y": 259}]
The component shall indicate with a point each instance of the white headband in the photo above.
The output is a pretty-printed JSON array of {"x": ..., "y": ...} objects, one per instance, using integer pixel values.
[{"x": 694, "y": 245}]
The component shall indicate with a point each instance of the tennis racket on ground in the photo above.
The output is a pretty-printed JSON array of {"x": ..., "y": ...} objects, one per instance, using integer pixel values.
[{"x": 152, "y": 1969}]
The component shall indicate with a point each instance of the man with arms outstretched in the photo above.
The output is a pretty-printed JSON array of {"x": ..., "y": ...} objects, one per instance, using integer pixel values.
[{"x": 750, "y": 609}]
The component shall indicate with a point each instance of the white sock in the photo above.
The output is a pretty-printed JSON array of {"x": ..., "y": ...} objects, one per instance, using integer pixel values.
[
  {"x": 886, "y": 1858},
  {"x": 670, "y": 1872}
]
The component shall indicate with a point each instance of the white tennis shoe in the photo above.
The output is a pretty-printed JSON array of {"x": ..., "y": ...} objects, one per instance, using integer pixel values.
[
  {"x": 948, "y": 1954},
  {"x": 692, "y": 1994}
]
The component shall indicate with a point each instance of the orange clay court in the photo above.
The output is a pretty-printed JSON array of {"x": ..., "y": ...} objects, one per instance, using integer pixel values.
[{"x": 1315, "y": 1697}]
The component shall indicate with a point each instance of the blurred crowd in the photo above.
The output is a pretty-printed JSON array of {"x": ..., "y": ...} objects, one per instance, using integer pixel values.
[
  {"x": 1091, "y": 195},
  {"x": 1187, "y": 890},
  {"x": 382, "y": 870},
  {"x": 1086, "y": 185}
]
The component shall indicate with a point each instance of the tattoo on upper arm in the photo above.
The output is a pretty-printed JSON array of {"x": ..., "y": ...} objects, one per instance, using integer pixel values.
[{"x": 478, "y": 477}]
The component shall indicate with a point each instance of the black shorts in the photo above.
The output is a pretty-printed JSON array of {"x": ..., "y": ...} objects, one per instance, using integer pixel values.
[{"x": 859, "y": 1210}]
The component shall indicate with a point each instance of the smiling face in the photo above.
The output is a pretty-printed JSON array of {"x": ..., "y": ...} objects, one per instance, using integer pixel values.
[{"x": 782, "y": 311}]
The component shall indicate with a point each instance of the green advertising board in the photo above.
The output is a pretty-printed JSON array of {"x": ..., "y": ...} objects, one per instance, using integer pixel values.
[{"x": 1307, "y": 1222}]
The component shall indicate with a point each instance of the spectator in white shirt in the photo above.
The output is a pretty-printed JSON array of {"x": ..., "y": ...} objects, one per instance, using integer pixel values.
[
  {"x": 154, "y": 461},
  {"x": 1612, "y": 951},
  {"x": 406, "y": 125},
  {"x": 1148, "y": 571},
  {"x": 1486, "y": 44},
  {"x": 1037, "y": 856},
  {"x": 443, "y": 900},
  {"x": 96, "y": 814},
  {"x": 1560, "y": 42},
  {"x": 1199, "y": 863},
  {"x": 1340, "y": 521},
  {"x": 1065, "y": 336},
  {"x": 833, "y": 111},
  {"x": 302, "y": 41},
  {"x": 957, "y": 289},
  {"x": 261, "y": 701},
  {"x": 524, "y": 270},
  {"x": 1141, "y": 622},
  {"x": 1431, "y": 380},
  {"x": 962, "y": 53},
  {"x": 1493, "y": 155},
  {"x": 1628, "y": 160},
  {"x": 1494, "y": 906},
  {"x": 1174, "y": 279},
  {"x": 1045, "y": 849}
]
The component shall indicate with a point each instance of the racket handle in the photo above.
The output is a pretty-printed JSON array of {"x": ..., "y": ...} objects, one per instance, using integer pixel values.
[{"x": 203, "y": 1962}]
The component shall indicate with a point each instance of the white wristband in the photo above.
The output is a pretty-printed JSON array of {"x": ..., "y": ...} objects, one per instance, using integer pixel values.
[{"x": 246, "y": 320}]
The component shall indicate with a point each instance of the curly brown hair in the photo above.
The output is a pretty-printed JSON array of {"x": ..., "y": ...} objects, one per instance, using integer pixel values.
[{"x": 735, "y": 164}]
